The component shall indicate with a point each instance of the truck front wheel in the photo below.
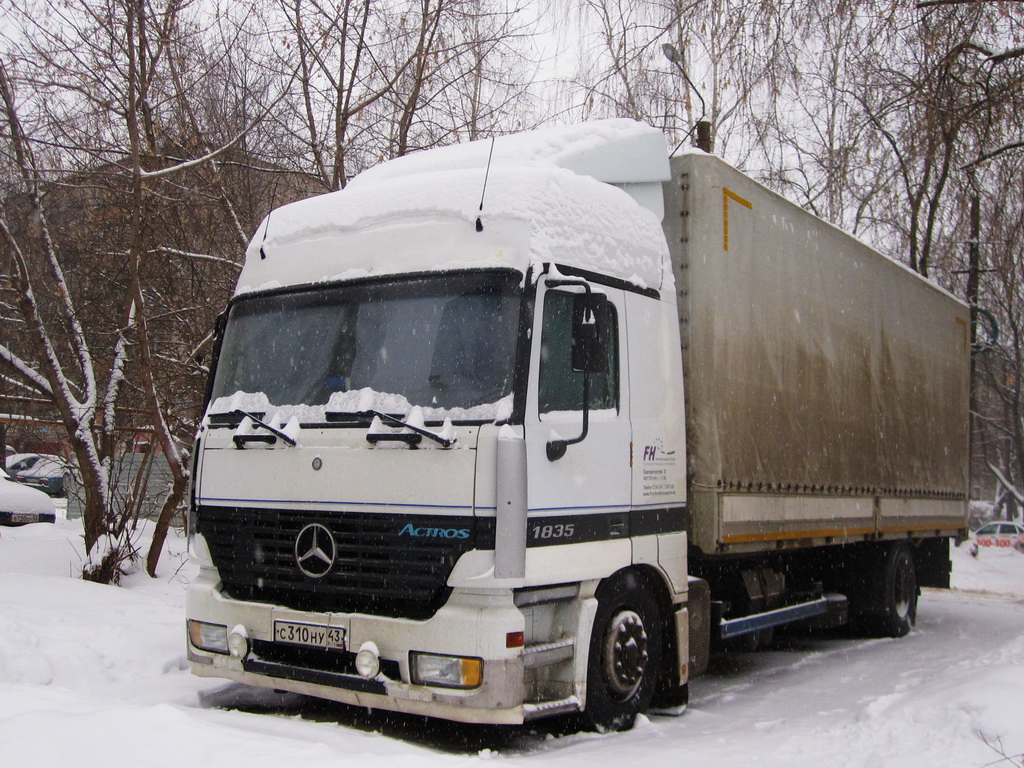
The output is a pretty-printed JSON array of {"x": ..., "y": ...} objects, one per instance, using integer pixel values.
[{"x": 625, "y": 651}]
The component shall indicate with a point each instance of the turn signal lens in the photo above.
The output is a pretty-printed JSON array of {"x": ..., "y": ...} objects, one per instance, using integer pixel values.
[{"x": 472, "y": 672}]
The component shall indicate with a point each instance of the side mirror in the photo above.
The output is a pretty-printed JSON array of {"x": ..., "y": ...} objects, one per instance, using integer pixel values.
[
  {"x": 589, "y": 354},
  {"x": 589, "y": 326}
]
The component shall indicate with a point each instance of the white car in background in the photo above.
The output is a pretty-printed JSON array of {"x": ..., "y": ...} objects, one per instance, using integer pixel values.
[
  {"x": 20, "y": 504},
  {"x": 1000, "y": 535},
  {"x": 49, "y": 474}
]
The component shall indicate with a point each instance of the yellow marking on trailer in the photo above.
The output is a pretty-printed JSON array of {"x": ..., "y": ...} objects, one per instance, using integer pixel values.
[
  {"x": 746, "y": 538},
  {"x": 727, "y": 195}
]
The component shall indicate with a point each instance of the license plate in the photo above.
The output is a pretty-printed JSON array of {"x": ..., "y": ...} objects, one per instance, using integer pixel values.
[
  {"x": 314, "y": 635},
  {"x": 24, "y": 518}
]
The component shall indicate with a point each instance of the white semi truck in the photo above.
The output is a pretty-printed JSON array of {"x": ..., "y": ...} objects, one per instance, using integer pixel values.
[{"x": 520, "y": 428}]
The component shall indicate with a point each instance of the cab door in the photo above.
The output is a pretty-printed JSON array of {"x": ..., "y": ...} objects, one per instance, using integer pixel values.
[{"x": 582, "y": 495}]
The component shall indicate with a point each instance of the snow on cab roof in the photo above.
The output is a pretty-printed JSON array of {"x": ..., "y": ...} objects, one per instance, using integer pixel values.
[
  {"x": 418, "y": 213},
  {"x": 613, "y": 151}
]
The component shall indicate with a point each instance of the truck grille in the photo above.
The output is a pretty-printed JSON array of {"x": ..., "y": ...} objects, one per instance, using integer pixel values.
[{"x": 377, "y": 570}]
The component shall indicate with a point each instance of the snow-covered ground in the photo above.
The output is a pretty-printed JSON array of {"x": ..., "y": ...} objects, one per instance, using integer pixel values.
[{"x": 96, "y": 676}]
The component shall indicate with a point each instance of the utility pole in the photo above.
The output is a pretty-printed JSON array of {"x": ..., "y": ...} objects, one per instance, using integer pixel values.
[
  {"x": 974, "y": 267},
  {"x": 973, "y": 278}
]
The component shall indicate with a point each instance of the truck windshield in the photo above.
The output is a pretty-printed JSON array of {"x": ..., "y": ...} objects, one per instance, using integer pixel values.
[{"x": 442, "y": 342}]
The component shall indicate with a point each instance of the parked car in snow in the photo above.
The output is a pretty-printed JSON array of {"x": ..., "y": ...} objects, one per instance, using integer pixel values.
[
  {"x": 49, "y": 474},
  {"x": 1002, "y": 535},
  {"x": 20, "y": 504}
]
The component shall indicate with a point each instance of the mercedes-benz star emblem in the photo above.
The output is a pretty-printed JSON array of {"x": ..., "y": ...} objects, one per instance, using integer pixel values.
[{"x": 315, "y": 550}]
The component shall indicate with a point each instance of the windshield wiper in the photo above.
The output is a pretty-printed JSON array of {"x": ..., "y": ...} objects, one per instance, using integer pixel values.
[
  {"x": 373, "y": 437},
  {"x": 241, "y": 440}
]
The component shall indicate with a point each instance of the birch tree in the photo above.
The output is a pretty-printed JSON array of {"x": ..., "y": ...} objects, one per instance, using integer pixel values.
[
  {"x": 56, "y": 359},
  {"x": 108, "y": 89}
]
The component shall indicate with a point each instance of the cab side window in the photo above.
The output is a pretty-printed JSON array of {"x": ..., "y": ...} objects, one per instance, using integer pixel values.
[{"x": 560, "y": 387}]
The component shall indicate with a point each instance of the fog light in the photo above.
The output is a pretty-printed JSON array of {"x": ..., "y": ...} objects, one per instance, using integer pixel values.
[
  {"x": 446, "y": 671},
  {"x": 238, "y": 642},
  {"x": 368, "y": 661},
  {"x": 208, "y": 637}
]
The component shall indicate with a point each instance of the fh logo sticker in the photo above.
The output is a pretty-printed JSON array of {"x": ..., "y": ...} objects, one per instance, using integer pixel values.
[
  {"x": 657, "y": 452},
  {"x": 658, "y": 477}
]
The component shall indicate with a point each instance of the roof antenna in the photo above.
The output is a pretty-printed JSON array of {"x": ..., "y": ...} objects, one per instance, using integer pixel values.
[
  {"x": 263, "y": 254},
  {"x": 479, "y": 223},
  {"x": 273, "y": 202}
]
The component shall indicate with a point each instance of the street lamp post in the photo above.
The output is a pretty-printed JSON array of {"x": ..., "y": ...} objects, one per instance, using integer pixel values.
[{"x": 703, "y": 127}]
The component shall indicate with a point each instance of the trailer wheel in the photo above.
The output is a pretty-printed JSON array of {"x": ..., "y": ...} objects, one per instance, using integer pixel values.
[
  {"x": 625, "y": 652},
  {"x": 899, "y": 592}
]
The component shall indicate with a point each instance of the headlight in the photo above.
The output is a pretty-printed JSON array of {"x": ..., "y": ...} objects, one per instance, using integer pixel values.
[
  {"x": 208, "y": 637},
  {"x": 446, "y": 671}
]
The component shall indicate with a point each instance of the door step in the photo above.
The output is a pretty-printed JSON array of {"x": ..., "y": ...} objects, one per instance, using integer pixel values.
[
  {"x": 544, "y": 654},
  {"x": 548, "y": 708}
]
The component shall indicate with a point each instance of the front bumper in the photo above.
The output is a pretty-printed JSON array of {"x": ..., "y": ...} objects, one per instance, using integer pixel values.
[{"x": 471, "y": 624}]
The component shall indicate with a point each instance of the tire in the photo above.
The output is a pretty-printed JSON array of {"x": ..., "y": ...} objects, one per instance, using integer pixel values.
[
  {"x": 625, "y": 652},
  {"x": 899, "y": 597}
]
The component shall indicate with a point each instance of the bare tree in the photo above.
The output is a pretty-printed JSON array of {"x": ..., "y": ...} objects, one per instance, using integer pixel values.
[
  {"x": 377, "y": 81},
  {"x": 57, "y": 361},
  {"x": 723, "y": 55},
  {"x": 999, "y": 400},
  {"x": 136, "y": 174}
]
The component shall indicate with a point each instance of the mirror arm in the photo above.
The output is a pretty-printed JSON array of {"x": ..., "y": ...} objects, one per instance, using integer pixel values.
[{"x": 556, "y": 448}]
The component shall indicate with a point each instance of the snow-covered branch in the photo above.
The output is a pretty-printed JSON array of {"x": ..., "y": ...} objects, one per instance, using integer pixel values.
[
  {"x": 38, "y": 382},
  {"x": 30, "y": 309},
  {"x": 1010, "y": 487},
  {"x": 26, "y": 168},
  {"x": 1012, "y": 53},
  {"x": 200, "y": 256},
  {"x": 18, "y": 384},
  {"x": 203, "y": 344},
  {"x": 116, "y": 374},
  {"x": 212, "y": 156}
]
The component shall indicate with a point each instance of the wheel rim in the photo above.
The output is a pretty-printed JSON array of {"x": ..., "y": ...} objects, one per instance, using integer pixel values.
[{"x": 625, "y": 654}]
